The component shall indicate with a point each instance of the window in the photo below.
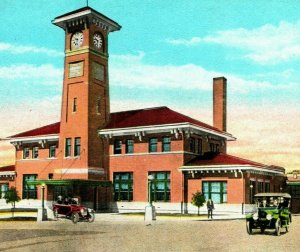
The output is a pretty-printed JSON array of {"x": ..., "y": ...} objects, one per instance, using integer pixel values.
[
  {"x": 26, "y": 153},
  {"x": 117, "y": 147},
  {"x": 52, "y": 151},
  {"x": 98, "y": 106},
  {"x": 129, "y": 146},
  {"x": 160, "y": 189},
  {"x": 35, "y": 152},
  {"x": 192, "y": 144},
  {"x": 198, "y": 146},
  {"x": 123, "y": 186},
  {"x": 153, "y": 145},
  {"x": 29, "y": 191},
  {"x": 68, "y": 147},
  {"x": 74, "y": 104},
  {"x": 3, "y": 190},
  {"x": 166, "y": 144},
  {"x": 50, "y": 176},
  {"x": 267, "y": 187},
  {"x": 77, "y": 146},
  {"x": 260, "y": 187},
  {"x": 214, "y": 147},
  {"x": 217, "y": 191}
]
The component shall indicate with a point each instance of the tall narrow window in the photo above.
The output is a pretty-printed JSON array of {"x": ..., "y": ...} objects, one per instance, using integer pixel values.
[
  {"x": 129, "y": 146},
  {"x": 77, "y": 146},
  {"x": 117, "y": 147},
  {"x": 153, "y": 145},
  {"x": 166, "y": 144},
  {"x": 199, "y": 146},
  {"x": 35, "y": 152},
  {"x": 98, "y": 106},
  {"x": 52, "y": 151},
  {"x": 74, "y": 104},
  {"x": 68, "y": 147},
  {"x": 26, "y": 153},
  {"x": 192, "y": 144}
]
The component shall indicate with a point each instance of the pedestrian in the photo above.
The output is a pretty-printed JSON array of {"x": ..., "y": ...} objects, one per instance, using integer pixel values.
[{"x": 210, "y": 208}]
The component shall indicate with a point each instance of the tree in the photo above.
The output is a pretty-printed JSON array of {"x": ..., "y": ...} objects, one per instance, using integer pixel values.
[
  {"x": 11, "y": 196},
  {"x": 198, "y": 200}
]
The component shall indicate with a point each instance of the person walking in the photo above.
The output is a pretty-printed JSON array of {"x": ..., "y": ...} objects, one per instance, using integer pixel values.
[{"x": 210, "y": 208}]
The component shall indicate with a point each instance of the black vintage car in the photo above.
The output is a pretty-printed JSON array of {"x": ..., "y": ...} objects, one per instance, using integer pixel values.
[{"x": 271, "y": 212}]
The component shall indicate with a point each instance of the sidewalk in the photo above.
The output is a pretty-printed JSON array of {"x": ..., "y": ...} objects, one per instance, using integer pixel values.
[{"x": 140, "y": 217}]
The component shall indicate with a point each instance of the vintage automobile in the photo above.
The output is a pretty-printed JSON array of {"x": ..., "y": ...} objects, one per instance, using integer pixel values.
[
  {"x": 73, "y": 211},
  {"x": 271, "y": 212}
]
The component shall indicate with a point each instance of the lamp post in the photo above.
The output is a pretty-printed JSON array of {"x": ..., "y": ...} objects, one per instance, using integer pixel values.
[
  {"x": 43, "y": 196},
  {"x": 150, "y": 179},
  {"x": 150, "y": 214},
  {"x": 251, "y": 193}
]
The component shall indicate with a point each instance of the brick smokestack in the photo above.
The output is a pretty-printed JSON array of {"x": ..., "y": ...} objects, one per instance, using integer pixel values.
[{"x": 219, "y": 103}]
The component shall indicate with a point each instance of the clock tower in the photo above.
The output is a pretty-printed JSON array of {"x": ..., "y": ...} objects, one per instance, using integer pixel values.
[{"x": 85, "y": 97}]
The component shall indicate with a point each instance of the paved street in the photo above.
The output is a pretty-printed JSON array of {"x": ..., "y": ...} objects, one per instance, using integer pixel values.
[{"x": 133, "y": 234}]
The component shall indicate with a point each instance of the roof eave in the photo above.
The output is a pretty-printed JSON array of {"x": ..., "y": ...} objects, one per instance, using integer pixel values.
[{"x": 175, "y": 128}]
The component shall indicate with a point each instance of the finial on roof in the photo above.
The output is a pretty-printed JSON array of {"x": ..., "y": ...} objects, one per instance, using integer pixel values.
[{"x": 87, "y": 3}]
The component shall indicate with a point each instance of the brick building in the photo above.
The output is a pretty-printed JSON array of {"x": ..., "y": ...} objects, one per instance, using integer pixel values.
[{"x": 105, "y": 159}]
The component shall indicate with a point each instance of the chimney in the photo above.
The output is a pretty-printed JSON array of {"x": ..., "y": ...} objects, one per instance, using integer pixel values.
[{"x": 219, "y": 103}]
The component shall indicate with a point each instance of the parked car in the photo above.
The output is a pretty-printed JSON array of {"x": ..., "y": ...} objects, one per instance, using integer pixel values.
[
  {"x": 73, "y": 211},
  {"x": 272, "y": 211}
]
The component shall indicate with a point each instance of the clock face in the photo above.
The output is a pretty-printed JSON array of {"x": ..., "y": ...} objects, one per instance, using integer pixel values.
[
  {"x": 97, "y": 40},
  {"x": 77, "y": 40}
]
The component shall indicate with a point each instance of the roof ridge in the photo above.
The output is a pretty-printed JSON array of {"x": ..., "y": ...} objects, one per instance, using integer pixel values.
[{"x": 244, "y": 159}]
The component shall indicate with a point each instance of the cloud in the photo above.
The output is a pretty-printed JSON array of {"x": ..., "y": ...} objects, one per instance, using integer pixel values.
[
  {"x": 45, "y": 74},
  {"x": 266, "y": 45},
  {"x": 19, "y": 49},
  {"x": 131, "y": 71}
]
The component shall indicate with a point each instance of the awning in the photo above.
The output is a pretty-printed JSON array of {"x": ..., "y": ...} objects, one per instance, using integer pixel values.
[{"x": 70, "y": 182}]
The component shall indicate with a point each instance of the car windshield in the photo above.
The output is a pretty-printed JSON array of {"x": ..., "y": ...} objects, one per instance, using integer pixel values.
[{"x": 277, "y": 202}]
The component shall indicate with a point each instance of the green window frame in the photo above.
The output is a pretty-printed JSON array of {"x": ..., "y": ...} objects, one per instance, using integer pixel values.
[
  {"x": 260, "y": 186},
  {"x": 68, "y": 146},
  {"x": 117, "y": 147},
  {"x": 25, "y": 152},
  {"x": 166, "y": 144},
  {"x": 129, "y": 146},
  {"x": 160, "y": 186},
  {"x": 52, "y": 151},
  {"x": 123, "y": 186},
  {"x": 29, "y": 191},
  {"x": 3, "y": 190},
  {"x": 153, "y": 144},
  {"x": 35, "y": 152},
  {"x": 215, "y": 190},
  {"x": 77, "y": 143}
]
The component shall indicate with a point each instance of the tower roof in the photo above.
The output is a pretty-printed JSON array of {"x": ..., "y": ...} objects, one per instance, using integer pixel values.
[{"x": 86, "y": 15}]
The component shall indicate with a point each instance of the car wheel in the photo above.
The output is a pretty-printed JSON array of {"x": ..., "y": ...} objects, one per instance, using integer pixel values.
[
  {"x": 262, "y": 230},
  {"x": 249, "y": 227},
  {"x": 55, "y": 214},
  {"x": 75, "y": 217},
  {"x": 277, "y": 227},
  {"x": 91, "y": 217}
]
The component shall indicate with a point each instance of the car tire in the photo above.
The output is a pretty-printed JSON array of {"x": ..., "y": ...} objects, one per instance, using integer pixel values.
[
  {"x": 75, "y": 217},
  {"x": 91, "y": 217},
  {"x": 262, "y": 230},
  {"x": 277, "y": 227},
  {"x": 249, "y": 227}
]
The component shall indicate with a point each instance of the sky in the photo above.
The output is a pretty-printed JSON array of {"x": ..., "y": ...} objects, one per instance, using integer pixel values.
[{"x": 166, "y": 54}]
